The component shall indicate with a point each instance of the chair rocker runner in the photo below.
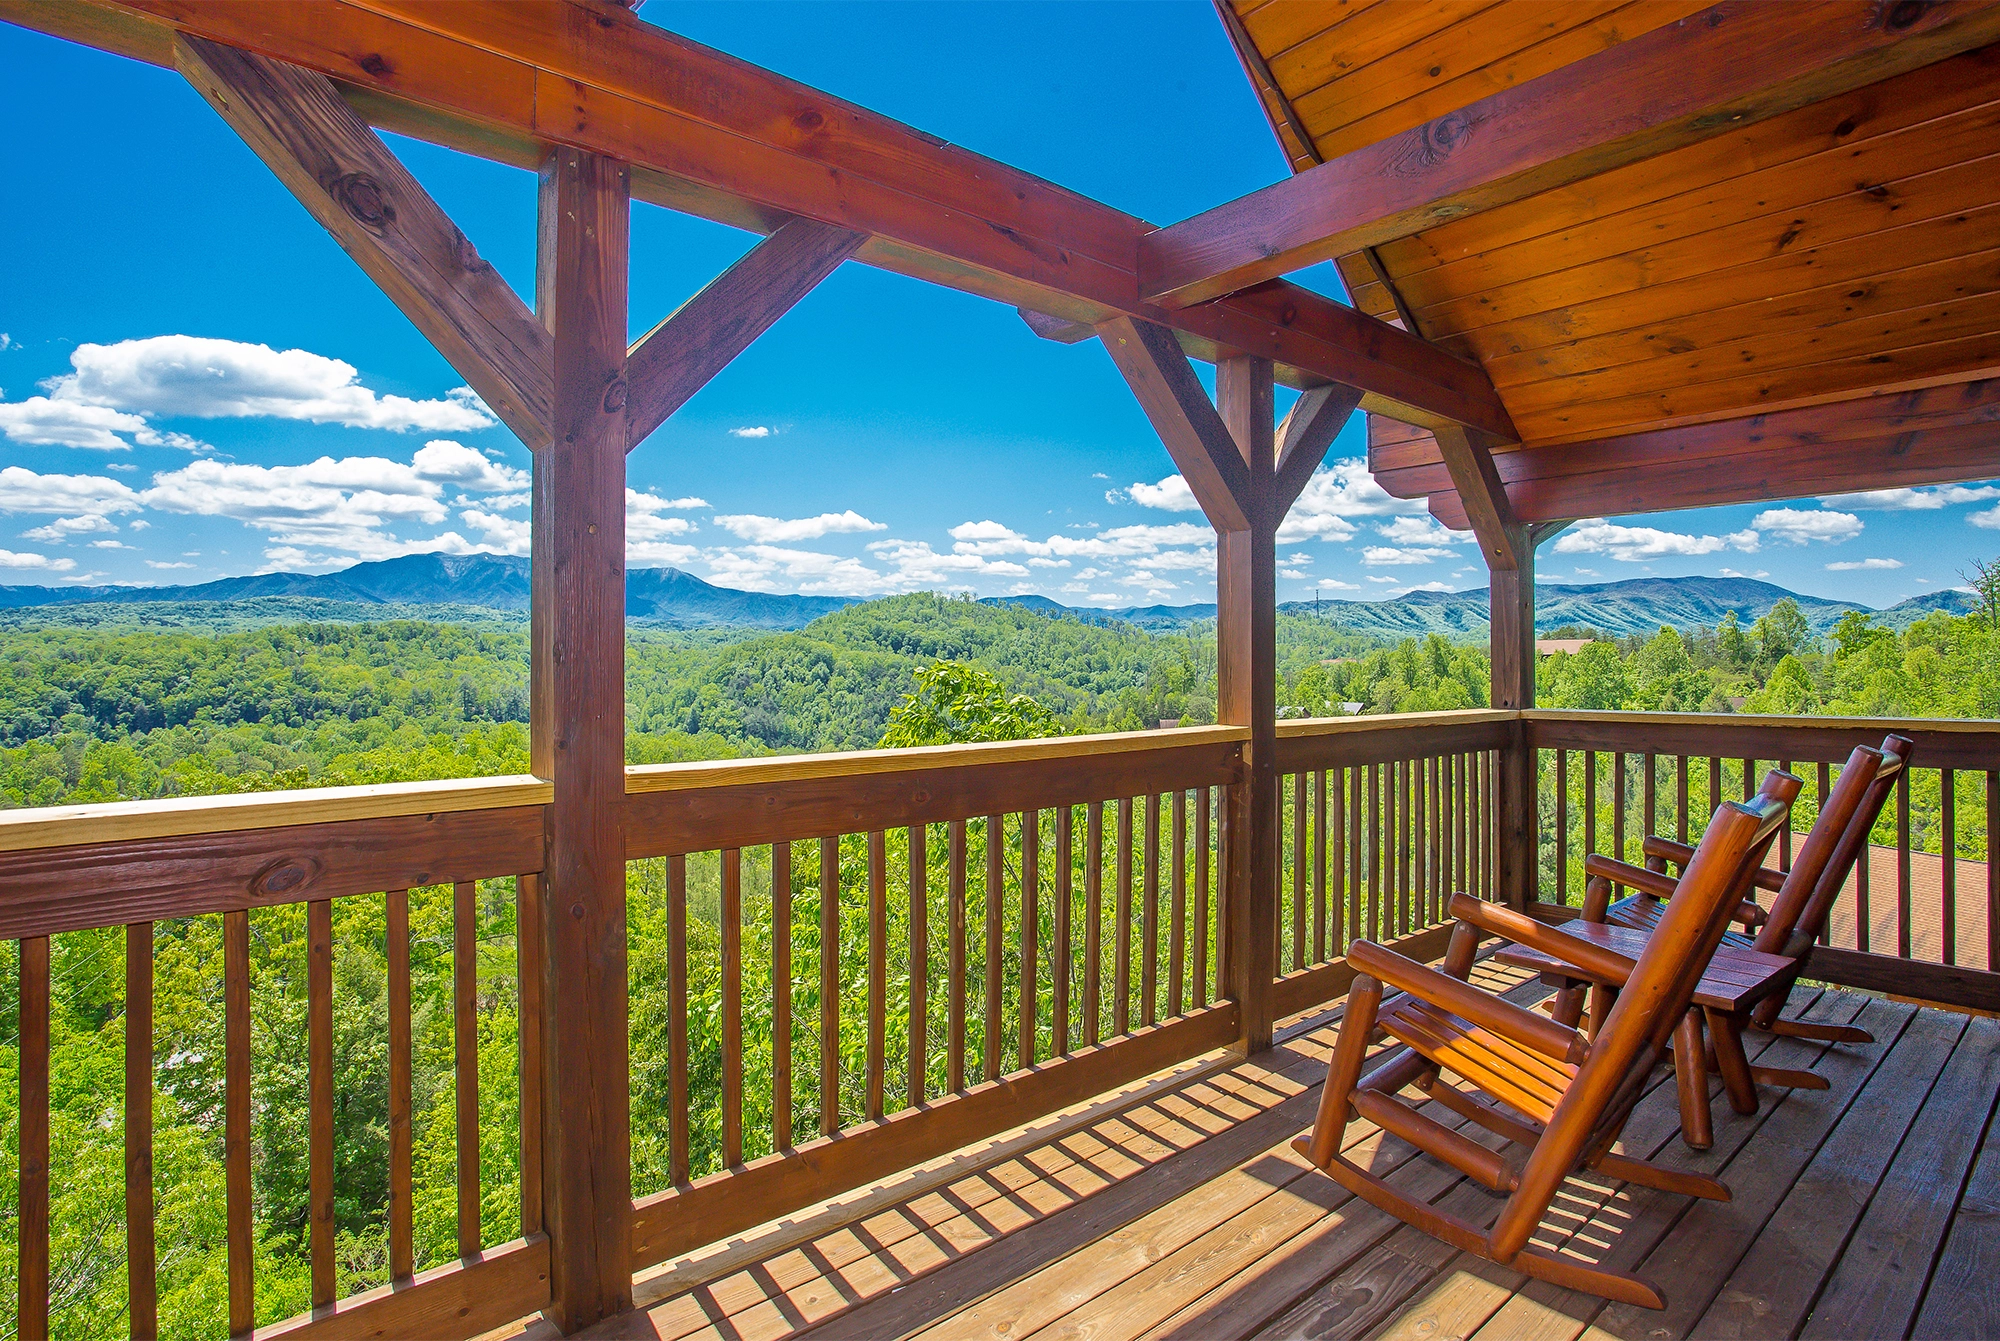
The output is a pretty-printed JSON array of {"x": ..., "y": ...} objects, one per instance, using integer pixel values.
[
  {"x": 1548, "y": 1088},
  {"x": 1804, "y": 899}
]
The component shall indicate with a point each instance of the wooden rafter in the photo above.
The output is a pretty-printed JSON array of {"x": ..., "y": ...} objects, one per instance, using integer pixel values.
[
  {"x": 298, "y": 124},
  {"x": 1310, "y": 427},
  {"x": 1293, "y": 138},
  {"x": 1473, "y": 475},
  {"x": 1727, "y": 67},
  {"x": 678, "y": 357},
  {"x": 1184, "y": 417},
  {"x": 1939, "y": 435},
  {"x": 718, "y": 137}
]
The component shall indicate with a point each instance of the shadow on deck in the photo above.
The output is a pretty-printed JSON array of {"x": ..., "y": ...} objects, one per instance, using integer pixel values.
[{"x": 1868, "y": 1209}]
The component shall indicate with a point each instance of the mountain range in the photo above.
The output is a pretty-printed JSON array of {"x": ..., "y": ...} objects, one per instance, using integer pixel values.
[{"x": 670, "y": 598}]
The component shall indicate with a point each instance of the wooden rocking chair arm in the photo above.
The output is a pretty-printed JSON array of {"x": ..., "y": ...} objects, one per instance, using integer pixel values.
[
  {"x": 1680, "y": 854},
  {"x": 1656, "y": 883},
  {"x": 1593, "y": 961},
  {"x": 1462, "y": 999}
]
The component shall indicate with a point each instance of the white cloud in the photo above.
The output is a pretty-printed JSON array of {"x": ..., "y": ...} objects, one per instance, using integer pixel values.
[
  {"x": 1913, "y": 500},
  {"x": 1859, "y": 565},
  {"x": 1433, "y": 586},
  {"x": 769, "y": 529},
  {"x": 176, "y": 375},
  {"x": 23, "y": 490},
  {"x": 1636, "y": 544},
  {"x": 155, "y": 563},
  {"x": 41, "y": 422},
  {"x": 63, "y": 528},
  {"x": 1795, "y": 526},
  {"x": 9, "y": 559},
  {"x": 109, "y": 544},
  {"x": 1380, "y": 556},
  {"x": 1989, "y": 520},
  {"x": 1189, "y": 560},
  {"x": 1338, "y": 492},
  {"x": 1169, "y": 495},
  {"x": 751, "y": 431},
  {"x": 1335, "y": 584},
  {"x": 1731, "y": 572},
  {"x": 449, "y": 462},
  {"x": 1423, "y": 530},
  {"x": 6, "y": 341},
  {"x": 991, "y": 538},
  {"x": 504, "y": 535},
  {"x": 774, "y": 568}
]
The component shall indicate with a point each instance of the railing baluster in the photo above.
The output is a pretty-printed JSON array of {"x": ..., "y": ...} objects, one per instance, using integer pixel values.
[
  {"x": 1149, "y": 915},
  {"x": 1400, "y": 835},
  {"x": 1714, "y": 785},
  {"x": 1861, "y": 927},
  {"x": 1992, "y": 869},
  {"x": 1681, "y": 797},
  {"x": 1201, "y": 921},
  {"x": 1031, "y": 926},
  {"x": 32, "y": 1222},
  {"x": 1177, "y": 910},
  {"x": 829, "y": 985},
  {"x": 1948, "y": 872},
  {"x": 1121, "y": 978},
  {"x": 1749, "y": 778},
  {"x": 878, "y": 972},
  {"x": 1785, "y": 834},
  {"x": 1334, "y": 788},
  {"x": 1436, "y": 862},
  {"x": 1826, "y": 926},
  {"x": 781, "y": 996},
  {"x": 1562, "y": 825},
  {"x": 920, "y": 963},
  {"x": 1618, "y": 805},
  {"x": 1065, "y": 818},
  {"x": 1652, "y": 797},
  {"x": 1319, "y": 866},
  {"x": 1376, "y": 846},
  {"x": 402, "y": 1253},
  {"x": 465, "y": 1056},
  {"x": 1589, "y": 803},
  {"x": 319, "y": 1097},
  {"x": 1300, "y": 853},
  {"x": 678, "y": 1168},
  {"x": 955, "y": 969},
  {"x": 1093, "y": 922},
  {"x": 996, "y": 877},
  {"x": 236, "y": 1113},
  {"x": 141, "y": 1246},
  {"x": 1903, "y": 865},
  {"x": 528, "y": 987},
  {"x": 731, "y": 913}
]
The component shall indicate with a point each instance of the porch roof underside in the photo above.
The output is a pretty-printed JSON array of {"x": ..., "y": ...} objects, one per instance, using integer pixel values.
[{"x": 1805, "y": 304}]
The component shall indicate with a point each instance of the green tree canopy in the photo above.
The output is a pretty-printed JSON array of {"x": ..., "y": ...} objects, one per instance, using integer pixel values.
[{"x": 957, "y": 704}]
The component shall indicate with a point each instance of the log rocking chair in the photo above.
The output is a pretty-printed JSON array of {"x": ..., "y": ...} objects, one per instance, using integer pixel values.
[{"x": 1563, "y": 1097}]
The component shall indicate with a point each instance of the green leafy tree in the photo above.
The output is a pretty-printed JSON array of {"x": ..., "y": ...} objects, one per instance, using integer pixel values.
[
  {"x": 1595, "y": 677},
  {"x": 957, "y": 704}
]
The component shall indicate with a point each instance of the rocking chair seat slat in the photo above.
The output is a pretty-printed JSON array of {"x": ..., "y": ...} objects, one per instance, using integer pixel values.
[{"x": 1517, "y": 1076}]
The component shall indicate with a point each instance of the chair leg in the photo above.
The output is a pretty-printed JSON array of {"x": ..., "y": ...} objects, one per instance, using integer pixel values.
[
  {"x": 1568, "y": 1008},
  {"x": 1691, "y": 1078},
  {"x": 1571, "y": 1274},
  {"x": 1349, "y": 1050},
  {"x": 1818, "y": 1033},
  {"x": 1648, "y": 1174},
  {"x": 1783, "y": 1078},
  {"x": 1730, "y": 1061}
]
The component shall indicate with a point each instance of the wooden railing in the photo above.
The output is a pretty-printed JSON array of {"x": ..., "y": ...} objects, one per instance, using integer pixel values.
[
  {"x": 936, "y": 945},
  {"x": 239, "y": 860},
  {"x": 1383, "y": 819},
  {"x": 1920, "y": 916}
]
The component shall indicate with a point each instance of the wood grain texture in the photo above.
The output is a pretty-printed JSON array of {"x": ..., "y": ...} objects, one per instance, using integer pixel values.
[
  {"x": 1753, "y": 63},
  {"x": 238, "y": 1211},
  {"x": 402, "y": 1206},
  {"x": 141, "y": 1243},
  {"x": 31, "y": 1278},
  {"x": 317, "y": 145},
  {"x": 322, "y": 1229},
  {"x": 1177, "y": 405},
  {"x": 1939, "y": 743},
  {"x": 465, "y": 1058},
  {"x": 499, "y": 1286},
  {"x": 680, "y": 355}
]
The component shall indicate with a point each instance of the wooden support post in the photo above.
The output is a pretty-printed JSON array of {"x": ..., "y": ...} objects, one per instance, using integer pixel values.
[
  {"x": 1510, "y": 560},
  {"x": 1246, "y": 600},
  {"x": 578, "y": 716}
]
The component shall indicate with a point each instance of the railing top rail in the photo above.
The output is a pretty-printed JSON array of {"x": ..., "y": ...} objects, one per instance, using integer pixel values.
[
  {"x": 1970, "y": 726},
  {"x": 1406, "y": 721},
  {"x": 854, "y": 763},
  {"x": 112, "y": 821}
]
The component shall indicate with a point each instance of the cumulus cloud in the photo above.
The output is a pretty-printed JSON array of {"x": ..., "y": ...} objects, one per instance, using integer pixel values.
[
  {"x": 41, "y": 422},
  {"x": 1338, "y": 492},
  {"x": 9, "y": 559},
  {"x": 752, "y": 431},
  {"x": 1861, "y": 565},
  {"x": 65, "y": 528},
  {"x": 990, "y": 538},
  {"x": 82, "y": 497},
  {"x": 1913, "y": 500},
  {"x": 1636, "y": 544},
  {"x": 201, "y": 378},
  {"x": 776, "y": 568},
  {"x": 1989, "y": 519},
  {"x": 1423, "y": 530},
  {"x": 156, "y": 563},
  {"x": 1381, "y": 556},
  {"x": 768, "y": 530},
  {"x": 1169, "y": 495},
  {"x": 1796, "y": 526}
]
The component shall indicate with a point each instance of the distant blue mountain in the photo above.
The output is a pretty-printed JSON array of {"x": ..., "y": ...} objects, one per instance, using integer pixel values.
[{"x": 670, "y": 597}]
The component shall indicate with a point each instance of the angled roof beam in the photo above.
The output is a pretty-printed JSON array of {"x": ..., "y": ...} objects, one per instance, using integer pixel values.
[
  {"x": 717, "y": 137},
  {"x": 1709, "y": 74},
  {"x": 1310, "y": 427},
  {"x": 1184, "y": 417},
  {"x": 678, "y": 357},
  {"x": 297, "y": 122}
]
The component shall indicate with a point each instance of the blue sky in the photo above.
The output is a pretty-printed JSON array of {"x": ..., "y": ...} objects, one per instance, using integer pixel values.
[{"x": 195, "y": 382}]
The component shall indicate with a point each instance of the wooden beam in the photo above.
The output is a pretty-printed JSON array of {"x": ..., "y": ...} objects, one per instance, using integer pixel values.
[
  {"x": 1473, "y": 475},
  {"x": 1939, "y": 435},
  {"x": 1715, "y": 72},
  {"x": 577, "y": 740},
  {"x": 719, "y": 137},
  {"x": 1246, "y": 605},
  {"x": 1188, "y": 424},
  {"x": 678, "y": 357},
  {"x": 1294, "y": 140},
  {"x": 1310, "y": 427},
  {"x": 296, "y": 121}
]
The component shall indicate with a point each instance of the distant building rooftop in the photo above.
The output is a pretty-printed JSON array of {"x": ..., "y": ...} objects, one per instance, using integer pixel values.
[{"x": 1549, "y": 646}]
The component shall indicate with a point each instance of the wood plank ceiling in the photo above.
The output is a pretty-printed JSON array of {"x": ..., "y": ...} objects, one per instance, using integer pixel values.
[{"x": 1845, "y": 249}]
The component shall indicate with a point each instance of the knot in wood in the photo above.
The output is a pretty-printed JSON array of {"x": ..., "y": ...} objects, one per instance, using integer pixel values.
[
  {"x": 469, "y": 259},
  {"x": 285, "y": 875},
  {"x": 361, "y": 196},
  {"x": 809, "y": 120},
  {"x": 614, "y": 396},
  {"x": 1904, "y": 13}
]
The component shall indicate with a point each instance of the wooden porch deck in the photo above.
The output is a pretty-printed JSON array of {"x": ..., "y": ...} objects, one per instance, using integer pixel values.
[{"x": 1871, "y": 1209}]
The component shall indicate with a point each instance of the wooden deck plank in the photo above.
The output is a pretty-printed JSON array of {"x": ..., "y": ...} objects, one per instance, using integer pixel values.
[
  {"x": 1878, "y": 1281},
  {"x": 1771, "y": 1290},
  {"x": 1960, "y": 1301}
]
